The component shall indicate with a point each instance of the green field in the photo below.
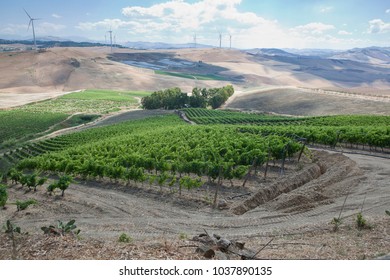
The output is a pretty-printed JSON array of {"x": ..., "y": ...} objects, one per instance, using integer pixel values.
[
  {"x": 30, "y": 121},
  {"x": 105, "y": 95},
  {"x": 89, "y": 102},
  {"x": 18, "y": 125},
  {"x": 191, "y": 76}
]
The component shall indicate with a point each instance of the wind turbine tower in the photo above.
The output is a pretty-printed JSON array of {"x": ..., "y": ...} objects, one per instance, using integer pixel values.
[
  {"x": 110, "y": 38},
  {"x": 230, "y": 38},
  {"x": 220, "y": 40},
  {"x": 195, "y": 41},
  {"x": 32, "y": 25}
]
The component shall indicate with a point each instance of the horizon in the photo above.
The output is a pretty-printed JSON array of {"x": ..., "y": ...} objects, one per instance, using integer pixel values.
[{"x": 325, "y": 24}]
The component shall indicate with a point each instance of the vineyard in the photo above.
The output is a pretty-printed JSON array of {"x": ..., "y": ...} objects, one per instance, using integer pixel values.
[
  {"x": 370, "y": 132},
  {"x": 29, "y": 121},
  {"x": 18, "y": 125},
  {"x": 162, "y": 151},
  {"x": 89, "y": 101}
]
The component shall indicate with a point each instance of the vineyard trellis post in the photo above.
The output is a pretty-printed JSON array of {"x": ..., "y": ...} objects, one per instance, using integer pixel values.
[
  {"x": 218, "y": 186},
  {"x": 304, "y": 140}
]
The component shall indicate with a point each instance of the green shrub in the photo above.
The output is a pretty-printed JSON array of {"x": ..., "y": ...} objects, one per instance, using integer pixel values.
[
  {"x": 3, "y": 195},
  {"x": 124, "y": 238},
  {"x": 22, "y": 205}
]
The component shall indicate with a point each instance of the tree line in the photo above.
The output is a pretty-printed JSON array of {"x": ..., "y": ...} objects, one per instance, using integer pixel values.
[{"x": 174, "y": 98}]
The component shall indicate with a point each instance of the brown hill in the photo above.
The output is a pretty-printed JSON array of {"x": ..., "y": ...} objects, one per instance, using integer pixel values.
[{"x": 31, "y": 76}]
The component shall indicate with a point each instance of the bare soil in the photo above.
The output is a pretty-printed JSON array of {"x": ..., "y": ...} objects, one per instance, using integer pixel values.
[
  {"x": 309, "y": 102},
  {"x": 299, "y": 219},
  {"x": 32, "y": 76}
]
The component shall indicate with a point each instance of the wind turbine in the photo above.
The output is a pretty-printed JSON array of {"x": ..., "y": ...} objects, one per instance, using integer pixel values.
[
  {"x": 220, "y": 40},
  {"x": 230, "y": 38},
  {"x": 32, "y": 24},
  {"x": 110, "y": 37},
  {"x": 195, "y": 40}
]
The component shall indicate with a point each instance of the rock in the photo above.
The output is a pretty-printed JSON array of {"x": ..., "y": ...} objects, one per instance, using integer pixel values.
[
  {"x": 216, "y": 236},
  {"x": 209, "y": 254},
  {"x": 222, "y": 204},
  {"x": 240, "y": 245},
  {"x": 223, "y": 244},
  {"x": 221, "y": 256},
  {"x": 205, "y": 251}
]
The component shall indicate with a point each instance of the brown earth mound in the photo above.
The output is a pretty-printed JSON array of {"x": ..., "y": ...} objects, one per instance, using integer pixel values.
[{"x": 306, "y": 188}]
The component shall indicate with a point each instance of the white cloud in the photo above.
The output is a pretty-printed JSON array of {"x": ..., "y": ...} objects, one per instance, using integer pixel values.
[
  {"x": 56, "y": 16},
  {"x": 14, "y": 29},
  {"x": 315, "y": 28},
  {"x": 378, "y": 26},
  {"x": 343, "y": 32},
  {"x": 326, "y": 9},
  {"x": 47, "y": 28},
  {"x": 176, "y": 21},
  {"x": 388, "y": 11},
  {"x": 104, "y": 24}
]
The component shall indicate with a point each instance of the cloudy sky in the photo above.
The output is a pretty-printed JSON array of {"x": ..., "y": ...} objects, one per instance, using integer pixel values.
[{"x": 331, "y": 24}]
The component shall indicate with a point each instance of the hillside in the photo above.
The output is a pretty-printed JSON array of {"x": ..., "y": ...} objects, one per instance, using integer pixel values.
[{"x": 35, "y": 76}]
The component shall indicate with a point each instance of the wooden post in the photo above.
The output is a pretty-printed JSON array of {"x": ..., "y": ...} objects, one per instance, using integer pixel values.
[
  {"x": 301, "y": 152},
  {"x": 254, "y": 163},
  {"x": 217, "y": 188},
  {"x": 266, "y": 165}
]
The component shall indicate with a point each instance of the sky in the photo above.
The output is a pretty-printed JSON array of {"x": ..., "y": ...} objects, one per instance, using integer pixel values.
[{"x": 324, "y": 24}]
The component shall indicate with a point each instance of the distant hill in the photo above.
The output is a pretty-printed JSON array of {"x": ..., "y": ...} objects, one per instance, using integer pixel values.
[
  {"x": 50, "y": 42},
  {"x": 160, "y": 45},
  {"x": 271, "y": 52},
  {"x": 372, "y": 55}
]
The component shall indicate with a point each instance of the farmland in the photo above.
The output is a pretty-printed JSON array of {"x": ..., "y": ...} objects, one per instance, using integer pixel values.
[
  {"x": 31, "y": 120},
  {"x": 149, "y": 174},
  {"x": 90, "y": 101}
]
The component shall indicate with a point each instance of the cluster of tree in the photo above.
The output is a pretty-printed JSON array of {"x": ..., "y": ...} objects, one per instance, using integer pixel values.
[{"x": 174, "y": 98}]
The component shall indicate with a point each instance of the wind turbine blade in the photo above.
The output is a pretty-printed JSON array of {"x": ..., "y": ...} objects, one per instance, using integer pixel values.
[
  {"x": 28, "y": 28},
  {"x": 27, "y": 13}
]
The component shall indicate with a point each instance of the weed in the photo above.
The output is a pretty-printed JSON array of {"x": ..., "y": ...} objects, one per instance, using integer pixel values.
[
  {"x": 22, "y": 205},
  {"x": 361, "y": 222},
  {"x": 183, "y": 236},
  {"x": 62, "y": 228},
  {"x": 11, "y": 230},
  {"x": 336, "y": 223},
  {"x": 124, "y": 238}
]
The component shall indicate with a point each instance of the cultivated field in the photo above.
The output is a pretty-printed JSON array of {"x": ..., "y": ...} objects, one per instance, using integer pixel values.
[{"x": 141, "y": 183}]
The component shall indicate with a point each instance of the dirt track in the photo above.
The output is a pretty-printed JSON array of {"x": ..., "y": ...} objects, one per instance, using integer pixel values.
[{"x": 105, "y": 212}]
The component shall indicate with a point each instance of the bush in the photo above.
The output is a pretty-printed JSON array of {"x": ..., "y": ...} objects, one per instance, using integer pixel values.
[
  {"x": 124, "y": 238},
  {"x": 3, "y": 195},
  {"x": 22, "y": 205}
]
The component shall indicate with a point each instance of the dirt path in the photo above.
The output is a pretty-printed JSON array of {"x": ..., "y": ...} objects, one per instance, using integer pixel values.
[{"x": 105, "y": 212}]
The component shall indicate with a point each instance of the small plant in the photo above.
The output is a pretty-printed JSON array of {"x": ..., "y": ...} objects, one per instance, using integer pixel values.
[
  {"x": 22, "y": 205},
  {"x": 124, "y": 238},
  {"x": 11, "y": 229},
  {"x": 62, "y": 184},
  {"x": 361, "y": 222},
  {"x": 336, "y": 222},
  {"x": 183, "y": 236},
  {"x": 62, "y": 228},
  {"x": 387, "y": 212},
  {"x": 3, "y": 196}
]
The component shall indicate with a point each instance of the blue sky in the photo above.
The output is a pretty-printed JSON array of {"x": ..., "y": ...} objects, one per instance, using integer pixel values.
[{"x": 330, "y": 24}]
